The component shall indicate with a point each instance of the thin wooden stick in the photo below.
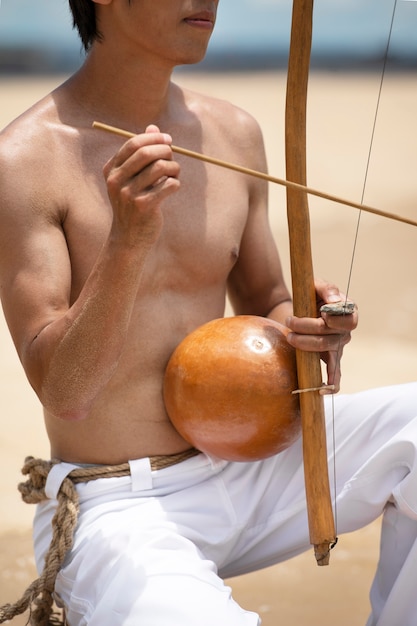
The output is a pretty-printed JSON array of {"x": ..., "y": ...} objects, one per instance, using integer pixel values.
[{"x": 263, "y": 176}]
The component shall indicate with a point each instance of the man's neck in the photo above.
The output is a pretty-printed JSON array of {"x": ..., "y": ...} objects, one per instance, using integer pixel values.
[{"x": 132, "y": 95}]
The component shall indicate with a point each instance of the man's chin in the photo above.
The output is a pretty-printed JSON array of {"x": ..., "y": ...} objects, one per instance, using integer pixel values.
[
  {"x": 192, "y": 57},
  {"x": 190, "y": 63}
]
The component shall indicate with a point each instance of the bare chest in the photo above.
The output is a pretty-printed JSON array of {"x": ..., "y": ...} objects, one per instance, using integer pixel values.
[{"x": 203, "y": 226}]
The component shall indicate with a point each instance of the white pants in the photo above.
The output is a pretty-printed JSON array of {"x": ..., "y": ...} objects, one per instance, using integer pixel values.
[{"x": 153, "y": 548}]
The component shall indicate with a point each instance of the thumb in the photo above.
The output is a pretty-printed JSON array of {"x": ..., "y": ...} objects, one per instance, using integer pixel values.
[{"x": 152, "y": 128}]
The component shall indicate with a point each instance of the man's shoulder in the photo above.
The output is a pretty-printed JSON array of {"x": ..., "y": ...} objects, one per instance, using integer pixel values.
[
  {"x": 28, "y": 132},
  {"x": 224, "y": 116},
  {"x": 29, "y": 158},
  {"x": 31, "y": 145}
]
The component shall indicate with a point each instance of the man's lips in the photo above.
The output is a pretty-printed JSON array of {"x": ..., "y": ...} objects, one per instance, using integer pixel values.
[{"x": 204, "y": 19}]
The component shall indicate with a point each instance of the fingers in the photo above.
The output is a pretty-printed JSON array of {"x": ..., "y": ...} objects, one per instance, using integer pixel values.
[
  {"x": 152, "y": 128},
  {"x": 333, "y": 370},
  {"x": 323, "y": 334},
  {"x": 326, "y": 324},
  {"x": 139, "y": 177},
  {"x": 326, "y": 334},
  {"x": 313, "y": 335},
  {"x": 328, "y": 344},
  {"x": 147, "y": 156},
  {"x": 327, "y": 292},
  {"x": 346, "y": 319}
]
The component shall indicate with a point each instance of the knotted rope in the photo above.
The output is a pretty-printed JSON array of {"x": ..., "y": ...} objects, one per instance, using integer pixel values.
[{"x": 38, "y": 597}]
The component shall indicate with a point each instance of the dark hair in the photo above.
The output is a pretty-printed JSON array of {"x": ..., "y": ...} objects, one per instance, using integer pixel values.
[{"x": 84, "y": 20}]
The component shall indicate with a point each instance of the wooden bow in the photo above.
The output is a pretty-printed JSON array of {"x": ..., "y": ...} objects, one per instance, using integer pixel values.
[{"x": 319, "y": 506}]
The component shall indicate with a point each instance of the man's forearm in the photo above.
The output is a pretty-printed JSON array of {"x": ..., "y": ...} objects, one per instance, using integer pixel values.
[{"x": 75, "y": 356}]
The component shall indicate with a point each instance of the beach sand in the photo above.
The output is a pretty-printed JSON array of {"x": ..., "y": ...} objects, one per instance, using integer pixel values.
[{"x": 380, "y": 273}]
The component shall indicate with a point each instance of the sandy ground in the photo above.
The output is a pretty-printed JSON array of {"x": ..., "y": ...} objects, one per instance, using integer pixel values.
[{"x": 380, "y": 272}]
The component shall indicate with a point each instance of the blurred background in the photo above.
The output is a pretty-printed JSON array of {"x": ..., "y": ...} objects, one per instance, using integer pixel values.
[
  {"x": 374, "y": 258},
  {"x": 36, "y": 35}
]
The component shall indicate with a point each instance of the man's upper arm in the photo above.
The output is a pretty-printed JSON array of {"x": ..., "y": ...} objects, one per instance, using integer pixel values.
[
  {"x": 256, "y": 283},
  {"x": 34, "y": 262}
]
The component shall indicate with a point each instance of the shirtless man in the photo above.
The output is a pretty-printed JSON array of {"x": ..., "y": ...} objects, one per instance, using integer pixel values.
[
  {"x": 106, "y": 289},
  {"x": 103, "y": 275}
]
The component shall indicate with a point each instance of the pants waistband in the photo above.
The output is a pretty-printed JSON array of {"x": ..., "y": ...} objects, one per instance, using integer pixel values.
[{"x": 85, "y": 473}]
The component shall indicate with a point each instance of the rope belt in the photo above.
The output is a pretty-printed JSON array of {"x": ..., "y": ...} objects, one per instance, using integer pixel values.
[{"x": 40, "y": 592}]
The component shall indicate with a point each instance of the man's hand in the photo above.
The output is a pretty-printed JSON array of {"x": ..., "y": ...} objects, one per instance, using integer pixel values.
[
  {"x": 139, "y": 177},
  {"x": 326, "y": 334}
]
